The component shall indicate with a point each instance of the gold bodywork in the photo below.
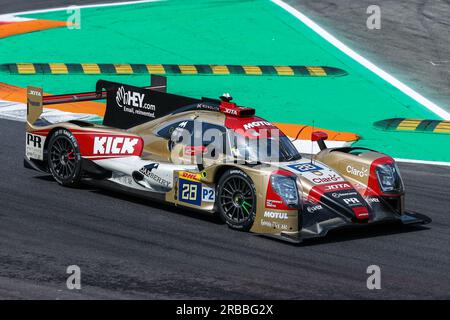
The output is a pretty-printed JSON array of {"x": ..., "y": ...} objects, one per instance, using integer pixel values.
[{"x": 156, "y": 149}]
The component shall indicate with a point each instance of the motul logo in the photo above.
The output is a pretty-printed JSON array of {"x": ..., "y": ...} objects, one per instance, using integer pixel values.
[
  {"x": 275, "y": 215},
  {"x": 256, "y": 124},
  {"x": 114, "y": 145}
]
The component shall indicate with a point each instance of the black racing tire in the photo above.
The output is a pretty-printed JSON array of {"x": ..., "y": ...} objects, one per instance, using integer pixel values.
[
  {"x": 236, "y": 199},
  {"x": 64, "y": 159}
]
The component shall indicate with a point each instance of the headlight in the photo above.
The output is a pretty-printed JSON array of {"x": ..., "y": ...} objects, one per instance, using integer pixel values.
[
  {"x": 286, "y": 188},
  {"x": 389, "y": 177}
]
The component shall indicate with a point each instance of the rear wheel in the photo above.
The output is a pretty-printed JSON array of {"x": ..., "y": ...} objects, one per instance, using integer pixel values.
[
  {"x": 236, "y": 200},
  {"x": 64, "y": 160}
]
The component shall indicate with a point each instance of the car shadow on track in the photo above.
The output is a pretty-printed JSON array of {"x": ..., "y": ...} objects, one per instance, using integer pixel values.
[
  {"x": 154, "y": 204},
  {"x": 349, "y": 234},
  {"x": 334, "y": 236}
]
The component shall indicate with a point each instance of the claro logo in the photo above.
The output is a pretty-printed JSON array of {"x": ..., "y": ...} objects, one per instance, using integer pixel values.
[
  {"x": 363, "y": 172},
  {"x": 330, "y": 178},
  {"x": 115, "y": 145},
  {"x": 130, "y": 99}
]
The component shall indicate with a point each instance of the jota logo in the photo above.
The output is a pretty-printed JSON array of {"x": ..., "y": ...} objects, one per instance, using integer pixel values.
[
  {"x": 256, "y": 124},
  {"x": 363, "y": 172},
  {"x": 132, "y": 99},
  {"x": 275, "y": 215},
  {"x": 115, "y": 145},
  {"x": 34, "y": 93},
  {"x": 336, "y": 187},
  {"x": 230, "y": 111}
]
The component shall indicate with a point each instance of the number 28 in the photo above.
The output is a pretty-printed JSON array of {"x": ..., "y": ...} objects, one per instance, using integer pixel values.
[{"x": 189, "y": 192}]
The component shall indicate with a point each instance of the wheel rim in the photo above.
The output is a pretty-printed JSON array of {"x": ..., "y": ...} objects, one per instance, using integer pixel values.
[
  {"x": 237, "y": 199},
  {"x": 62, "y": 158}
]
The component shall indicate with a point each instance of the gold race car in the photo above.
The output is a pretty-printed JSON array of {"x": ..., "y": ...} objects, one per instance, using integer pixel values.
[{"x": 215, "y": 156}]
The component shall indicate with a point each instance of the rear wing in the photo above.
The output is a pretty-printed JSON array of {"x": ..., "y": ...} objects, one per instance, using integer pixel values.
[{"x": 126, "y": 106}]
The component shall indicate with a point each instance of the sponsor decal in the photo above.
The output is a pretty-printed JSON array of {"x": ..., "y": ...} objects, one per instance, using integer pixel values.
[
  {"x": 190, "y": 176},
  {"x": 34, "y": 146},
  {"x": 314, "y": 208},
  {"x": 273, "y": 203},
  {"x": 182, "y": 124},
  {"x": 147, "y": 171},
  {"x": 337, "y": 195},
  {"x": 363, "y": 172},
  {"x": 318, "y": 174},
  {"x": 352, "y": 201},
  {"x": 254, "y": 124},
  {"x": 191, "y": 151},
  {"x": 361, "y": 213},
  {"x": 123, "y": 179},
  {"x": 208, "y": 194},
  {"x": 207, "y": 107},
  {"x": 114, "y": 145},
  {"x": 148, "y": 168},
  {"x": 275, "y": 215},
  {"x": 190, "y": 192},
  {"x": 35, "y": 93},
  {"x": 274, "y": 224},
  {"x": 337, "y": 187},
  {"x": 330, "y": 178},
  {"x": 133, "y": 102},
  {"x": 230, "y": 111},
  {"x": 305, "y": 167},
  {"x": 372, "y": 200}
]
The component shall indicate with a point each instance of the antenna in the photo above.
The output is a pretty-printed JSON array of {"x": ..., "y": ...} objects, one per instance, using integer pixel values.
[{"x": 312, "y": 143}]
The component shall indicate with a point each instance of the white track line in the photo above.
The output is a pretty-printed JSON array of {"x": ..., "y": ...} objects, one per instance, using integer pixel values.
[
  {"x": 99, "y": 5},
  {"x": 363, "y": 61},
  {"x": 435, "y": 163}
]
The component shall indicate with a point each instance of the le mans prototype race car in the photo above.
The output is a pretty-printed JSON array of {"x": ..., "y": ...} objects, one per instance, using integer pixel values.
[{"x": 215, "y": 156}]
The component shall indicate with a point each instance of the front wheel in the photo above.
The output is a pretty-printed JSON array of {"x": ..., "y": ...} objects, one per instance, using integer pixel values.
[
  {"x": 64, "y": 160},
  {"x": 236, "y": 201}
]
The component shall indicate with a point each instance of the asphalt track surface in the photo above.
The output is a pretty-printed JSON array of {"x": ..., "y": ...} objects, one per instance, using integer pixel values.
[{"x": 132, "y": 248}]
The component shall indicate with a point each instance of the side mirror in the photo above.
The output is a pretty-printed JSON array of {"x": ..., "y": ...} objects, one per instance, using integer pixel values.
[{"x": 320, "y": 137}]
